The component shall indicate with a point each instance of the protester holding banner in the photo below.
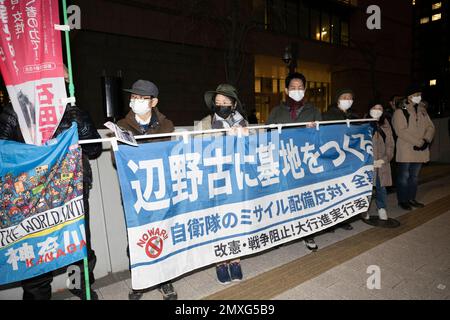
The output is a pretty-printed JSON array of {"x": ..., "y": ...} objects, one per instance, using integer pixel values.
[
  {"x": 226, "y": 112},
  {"x": 296, "y": 109},
  {"x": 39, "y": 288},
  {"x": 383, "y": 152},
  {"x": 145, "y": 118},
  {"x": 415, "y": 132},
  {"x": 341, "y": 110}
]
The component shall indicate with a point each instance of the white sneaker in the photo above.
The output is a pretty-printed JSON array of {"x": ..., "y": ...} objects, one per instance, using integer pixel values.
[
  {"x": 366, "y": 216},
  {"x": 382, "y": 214}
]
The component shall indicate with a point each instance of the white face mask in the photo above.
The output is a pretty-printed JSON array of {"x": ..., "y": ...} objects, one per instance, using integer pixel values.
[
  {"x": 345, "y": 104},
  {"x": 376, "y": 114},
  {"x": 296, "y": 95},
  {"x": 416, "y": 100},
  {"x": 139, "y": 107}
]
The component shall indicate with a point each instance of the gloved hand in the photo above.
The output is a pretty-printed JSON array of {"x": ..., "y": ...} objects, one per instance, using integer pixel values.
[
  {"x": 378, "y": 163},
  {"x": 423, "y": 147}
]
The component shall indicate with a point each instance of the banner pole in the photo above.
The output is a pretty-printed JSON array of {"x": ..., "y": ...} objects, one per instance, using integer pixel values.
[
  {"x": 69, "y": 57},
  {"x": 72, "y": 95}
]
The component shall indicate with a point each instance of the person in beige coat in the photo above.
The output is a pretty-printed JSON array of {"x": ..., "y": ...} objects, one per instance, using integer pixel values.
[
  {"x": 415, "y": 131},
  {"x": 383, "y": 153}
]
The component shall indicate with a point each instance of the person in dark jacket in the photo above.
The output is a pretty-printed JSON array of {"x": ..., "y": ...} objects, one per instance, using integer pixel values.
[
  {"x": 39, "y": 288},
  {"x": 144, "y": 118},
  {"x": 294, "y": 110},
  {"x": 342, "y": 110}
]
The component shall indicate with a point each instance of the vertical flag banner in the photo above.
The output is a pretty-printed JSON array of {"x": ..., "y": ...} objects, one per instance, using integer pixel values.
[
  {"x": 193, "y": 203},
  {"x": 41, "y": 211},
  {"x": 32, "y": 67}
]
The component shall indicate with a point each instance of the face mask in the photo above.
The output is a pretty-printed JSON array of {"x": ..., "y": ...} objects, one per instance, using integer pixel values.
[
  {"x": 223, "y": 112},
  {"x": 345, "y": 104},
  {"x": 416, "y": 100},
  {"x": 376, "y": 114},
  {"x": 296, "y": 95},
  {"x": 139, "y": 107}
]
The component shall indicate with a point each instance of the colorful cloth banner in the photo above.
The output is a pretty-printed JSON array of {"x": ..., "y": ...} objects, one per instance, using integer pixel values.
[
  {"x": 32, "y": 67},
  {"x": 41, "y": 212},
  {"x": 192, "y": 203}
]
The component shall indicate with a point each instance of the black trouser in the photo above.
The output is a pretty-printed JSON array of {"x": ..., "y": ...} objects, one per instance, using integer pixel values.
[{"x": 39, "y": 287}]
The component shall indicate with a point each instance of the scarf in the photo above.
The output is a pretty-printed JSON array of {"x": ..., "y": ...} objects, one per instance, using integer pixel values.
[
  {"x": 234, "y": 120},
  {"x": 294, "y": 106}
]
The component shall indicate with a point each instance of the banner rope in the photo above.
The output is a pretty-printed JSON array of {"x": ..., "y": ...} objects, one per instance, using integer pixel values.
[{"x": 198, "y": 132}]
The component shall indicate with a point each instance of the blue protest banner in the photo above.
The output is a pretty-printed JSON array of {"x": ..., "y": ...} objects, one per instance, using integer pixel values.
[
  {"x": 41, "y": 212},
  {"x": 215, "y": 198}
]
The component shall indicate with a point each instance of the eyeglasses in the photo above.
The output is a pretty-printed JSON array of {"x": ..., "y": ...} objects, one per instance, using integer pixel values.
[{"x": 137, "y": 97}]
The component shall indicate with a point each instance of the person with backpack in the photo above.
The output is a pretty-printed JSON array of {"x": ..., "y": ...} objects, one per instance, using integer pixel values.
[{"x": 415, "y": 132}]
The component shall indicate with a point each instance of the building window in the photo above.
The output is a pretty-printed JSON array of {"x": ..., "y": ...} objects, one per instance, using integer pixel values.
[
  {"x": 318, "y": 94},
  {"x": 335, "y": 30},
  {"x": 260, "y": 13},
  {"x": 315, "y": 24},
  {"x": 433, "y": 82},
  {"x": 326, "y": 30},
  {"x": 302, "y": 18},
  {"x": 344, "y": 33},
  {"x": 275, "y": 88},
  {"x": 436, "y": 16},
  {"x": 258, "y": 85},
  {"x": 424, "y": 20},
  {"x": 292, "y": 17},
  {"x": 436, "y": 5}
]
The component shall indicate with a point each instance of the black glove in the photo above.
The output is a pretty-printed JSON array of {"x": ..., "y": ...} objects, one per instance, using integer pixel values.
[{"x": 423, "y": 147}]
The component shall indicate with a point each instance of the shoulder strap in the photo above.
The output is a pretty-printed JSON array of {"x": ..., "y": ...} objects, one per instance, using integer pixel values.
[
  {"x": 406, "y": 114},
  {"x": 382, "y": 133}
]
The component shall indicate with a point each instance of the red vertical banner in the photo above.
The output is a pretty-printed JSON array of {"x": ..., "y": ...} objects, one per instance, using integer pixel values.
[{"x": 32, "y": 66}]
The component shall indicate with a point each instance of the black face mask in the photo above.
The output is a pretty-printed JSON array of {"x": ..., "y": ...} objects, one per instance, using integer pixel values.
[{"x": 223, "y": 112}]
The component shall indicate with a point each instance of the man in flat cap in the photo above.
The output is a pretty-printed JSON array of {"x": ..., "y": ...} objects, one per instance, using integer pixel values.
[{"x": 144, "y": 118}]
